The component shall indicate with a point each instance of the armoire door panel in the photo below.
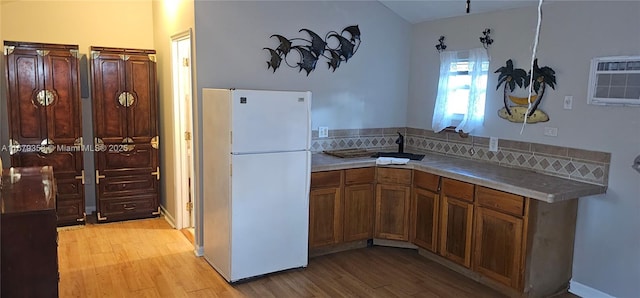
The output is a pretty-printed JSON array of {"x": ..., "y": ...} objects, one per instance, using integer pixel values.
[
  {"x": 63, "y": 115},
  {"x": 142, "y": 114},
  {"x": 109, "y": 116},
  {"x": 43, "y": 94},
  {"x": 68, "y": 187},
  {"x": 125, "y": 95},
  {"x": 24, "y": 80},
  {"x": 61, "y": 161}
]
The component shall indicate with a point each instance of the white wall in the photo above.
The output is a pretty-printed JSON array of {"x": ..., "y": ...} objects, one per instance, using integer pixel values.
[
  {"x": 607, "y": 245},
  {"x": 368, "y": 91}
]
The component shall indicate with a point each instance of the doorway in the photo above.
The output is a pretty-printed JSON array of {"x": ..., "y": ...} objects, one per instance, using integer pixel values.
[{"x": 183, "y": 127}]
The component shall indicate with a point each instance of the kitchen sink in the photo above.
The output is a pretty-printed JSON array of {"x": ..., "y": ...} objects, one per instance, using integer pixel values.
[{"x": 410, "y": 156}]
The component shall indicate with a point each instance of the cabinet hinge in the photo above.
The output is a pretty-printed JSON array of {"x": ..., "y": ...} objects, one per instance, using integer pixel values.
[
  {"x": 185, "y": 62},
  {"x": 81, "y": 177},
  {"x": 187, "y": 136},
  {"x": 156, "y": 173},
  {"x": 189, "y": 206},
  {"x": 98, "y": 177}
]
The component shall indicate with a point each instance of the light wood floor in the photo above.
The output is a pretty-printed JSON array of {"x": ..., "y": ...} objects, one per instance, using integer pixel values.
[{"x": 147, "y": 258}]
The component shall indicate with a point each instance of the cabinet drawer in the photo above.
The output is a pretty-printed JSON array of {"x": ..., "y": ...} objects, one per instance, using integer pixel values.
[
  {"x": 394, "y": 176},
  {"x": 360, "y": 176},
  {"x": 120, "y": 186},
  {"x": 69, "y": 210},
  {"x": 426, "y": 180},
  {"x": 326, "y": 179},
  {"x": 118, "y": 207},
  {"x": 457, "y": 189},
  {"x": 501, "y": 201}
]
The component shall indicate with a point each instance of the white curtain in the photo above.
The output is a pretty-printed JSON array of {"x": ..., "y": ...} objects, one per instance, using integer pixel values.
[
  {"x": 474, "y": 117},
  {"x": 442, "y": 118}
]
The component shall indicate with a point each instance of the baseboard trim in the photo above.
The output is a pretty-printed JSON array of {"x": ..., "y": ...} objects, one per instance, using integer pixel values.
[
  {"x": 582, "y": 290},
  {"x": 198, "y": 251},
  {"x": 90, "y": 209},
  {"x": 167, "y": 216}
]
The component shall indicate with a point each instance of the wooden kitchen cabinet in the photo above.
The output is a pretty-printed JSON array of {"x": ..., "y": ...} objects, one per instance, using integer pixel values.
[
  {"x": 393, "y": 200},
  {"x": 456, "y": 221},
  {"x": 424, "y": 210},
  {"x": 499, "y": 230},
  {"x": 325, "y": 209},
  {"x": 358, "y": 204},
  {"x": 45, "y": 125},
  {"x": 125, "y": 116}
]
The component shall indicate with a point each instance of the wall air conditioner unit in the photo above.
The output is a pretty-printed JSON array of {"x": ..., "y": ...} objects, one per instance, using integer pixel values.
[{"x": 615, "y": 81}]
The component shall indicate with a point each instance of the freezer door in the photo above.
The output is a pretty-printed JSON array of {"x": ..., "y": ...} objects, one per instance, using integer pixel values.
[
  {"x": 269, "y": 121},
  {"x": 270, "y": 213}
]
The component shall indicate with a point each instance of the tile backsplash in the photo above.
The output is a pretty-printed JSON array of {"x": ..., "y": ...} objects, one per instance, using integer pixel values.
[{"x": 575, "y": 164}]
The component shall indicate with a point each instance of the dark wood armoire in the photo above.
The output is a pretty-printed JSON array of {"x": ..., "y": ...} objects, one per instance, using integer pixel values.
[
  {"x": 125, "y": 119},
  {"x": 45, "y": 127}
]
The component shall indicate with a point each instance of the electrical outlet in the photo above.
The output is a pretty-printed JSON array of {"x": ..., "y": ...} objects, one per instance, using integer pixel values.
[
  {"x": 493, "y": 144},
  {"x": 568, "y": 102},
  {"x": 551, "y": 131},
  {"x": 323, "y": 132}
]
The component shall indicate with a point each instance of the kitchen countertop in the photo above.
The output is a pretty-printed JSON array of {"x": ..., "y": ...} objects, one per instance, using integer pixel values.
[{"x": 522, "y": 182}]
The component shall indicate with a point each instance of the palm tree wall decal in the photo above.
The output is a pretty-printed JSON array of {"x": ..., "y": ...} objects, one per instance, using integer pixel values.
[{"x": 510, "y": 77}]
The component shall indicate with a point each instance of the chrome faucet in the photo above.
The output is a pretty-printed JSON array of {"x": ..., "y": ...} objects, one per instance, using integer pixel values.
[{"x": 400, "y": 142}]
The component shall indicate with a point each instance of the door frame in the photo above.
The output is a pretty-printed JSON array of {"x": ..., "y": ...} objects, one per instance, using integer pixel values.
[{"x": 184, "y": 168}]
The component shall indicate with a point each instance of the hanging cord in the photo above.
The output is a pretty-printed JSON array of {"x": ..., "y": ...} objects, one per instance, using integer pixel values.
[{"x": 533, "y": 58}]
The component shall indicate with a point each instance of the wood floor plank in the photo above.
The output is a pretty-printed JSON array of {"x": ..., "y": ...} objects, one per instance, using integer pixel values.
[{"x": 148, "y": 258}]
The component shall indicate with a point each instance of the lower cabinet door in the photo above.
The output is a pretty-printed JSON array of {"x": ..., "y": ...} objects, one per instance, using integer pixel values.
[
  {"x": 358, "y": 212},
  {"x": 325, "y": 217},
  {"x": 455, "y": 230},
  {"x": 392, "y": 212},
  {"x": 498, "y": 246},
  {"x": 424, "y": 223}
]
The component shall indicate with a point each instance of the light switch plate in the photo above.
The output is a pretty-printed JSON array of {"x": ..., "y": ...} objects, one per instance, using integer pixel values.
[
  {"x": 568, "y": 102},
  {"x": 551, "y": 131},
  {"x": 323, "y": 132}
]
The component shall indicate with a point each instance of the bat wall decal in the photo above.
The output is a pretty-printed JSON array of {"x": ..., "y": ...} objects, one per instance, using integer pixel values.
[{"x": 312, "y": 49}]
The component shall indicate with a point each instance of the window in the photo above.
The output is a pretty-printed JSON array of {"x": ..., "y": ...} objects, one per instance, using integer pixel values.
[{"x": 461, "y": 90}]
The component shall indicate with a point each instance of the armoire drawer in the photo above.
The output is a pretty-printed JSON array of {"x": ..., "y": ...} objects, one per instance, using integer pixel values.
[{"x": 129, "y": 205}]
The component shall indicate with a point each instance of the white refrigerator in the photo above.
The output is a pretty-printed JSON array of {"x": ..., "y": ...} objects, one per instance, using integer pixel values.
[{"x": 256, "y": 177}]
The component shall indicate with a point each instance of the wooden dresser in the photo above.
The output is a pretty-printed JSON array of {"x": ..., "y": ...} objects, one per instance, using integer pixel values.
[{"x": 29, "y": 252}]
